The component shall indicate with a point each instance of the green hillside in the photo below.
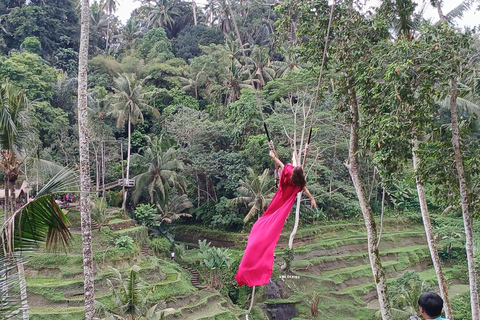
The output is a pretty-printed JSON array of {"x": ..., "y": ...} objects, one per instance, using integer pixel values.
[{"x": 330, "y": 261}]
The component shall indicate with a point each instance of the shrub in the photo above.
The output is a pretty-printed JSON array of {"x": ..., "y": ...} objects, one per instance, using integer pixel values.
[
  {"x": 114, "y": 198},
  {"x": 461, "y": 306},
  {"x": 139, "y": 234},
  {"x": 146, "y": 214},
  {"x": 288, "y": 256},
  {"x": 180, "y": 251},
  {"x": 125, "y": 242},
  {"x": 160, "y": 246},
  {"x": 226, "y": 217},
  {"x": 99, "y": 211},
  {"x": 406, "y": 289}
]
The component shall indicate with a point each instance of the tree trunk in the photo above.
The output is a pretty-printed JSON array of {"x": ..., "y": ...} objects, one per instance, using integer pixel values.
[
  {"x": 13, "y": 198},
  {"x": 297, "y": 219},
  {"x": 103, "y": 169},
  {"x": 85, "y": 201},
  {"x": 7, "y": 199},
  {"x": 97, "y": 171},
  {"x": 422, "y": 199},
  {"x": 106, "y": 37},
  {"x": 467, "y": 217},
  {"x": 353, "y": 166},
  {"x": 194, "y": 8},
  {"x": 441, "y": 16},
  {"x": 124, "y": 206}
]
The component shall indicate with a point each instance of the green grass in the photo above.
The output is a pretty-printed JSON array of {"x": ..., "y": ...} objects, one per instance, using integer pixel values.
[
  {"x": 458, "y": 289},
  {"x": 72, "y": 313},
  {"x": 116, "y": 220},
  {"x": 138, "y": 233}
]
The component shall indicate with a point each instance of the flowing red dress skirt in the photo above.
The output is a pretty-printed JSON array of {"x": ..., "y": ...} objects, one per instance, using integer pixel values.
[{"x": 257, "y": 263}]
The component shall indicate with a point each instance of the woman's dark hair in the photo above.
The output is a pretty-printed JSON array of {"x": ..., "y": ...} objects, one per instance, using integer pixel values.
[{"x": 298, "y": 178}]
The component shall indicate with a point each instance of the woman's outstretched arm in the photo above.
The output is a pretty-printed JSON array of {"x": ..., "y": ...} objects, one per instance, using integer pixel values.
[
  {"x": 312, "y": 199},
  {"x": 276, "y": 160}
]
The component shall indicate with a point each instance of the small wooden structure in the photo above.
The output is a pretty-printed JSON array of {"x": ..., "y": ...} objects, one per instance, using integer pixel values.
[
  {"x": 21, "y": 194},
  {"x": 126, "y": 182}
]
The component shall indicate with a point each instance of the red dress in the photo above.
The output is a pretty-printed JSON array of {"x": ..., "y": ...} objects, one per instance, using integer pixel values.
[{"x": 257, "y": 263}]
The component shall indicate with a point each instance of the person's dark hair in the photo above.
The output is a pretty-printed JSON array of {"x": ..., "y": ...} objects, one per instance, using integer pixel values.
[
  {"x": 431, "y": 303},
  {"x": 298, "y": 178}
]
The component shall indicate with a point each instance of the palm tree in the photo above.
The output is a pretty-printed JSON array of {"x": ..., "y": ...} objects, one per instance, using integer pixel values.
[
  {"x": 100, "y": 132},
  {"x": 193, "y": 80},
  {"x": 129, "y": 102},
  {"x": 99, "y": 22},
  {"x": 175, "y": 208},
  {"x": 40, "y": 220},
  {"x": 210, "y": 9},
  {"x": 160, "y": 173},
  {"x": 14, "y": 125},
  {"x": 255, "y": 192},
  {"x": 262, "y": 68},
  {"x": 14, "y": 132},
  {"x": 161, "y": 15},
  {"x": 290, "y": 62},
  {"x": 130, "y": 301},
  {"x": 110, "y": 6},
  {"x": 133, "y": 29},
  {"x": 127, "y": 292},
  {"x": 85, "y": 200}
]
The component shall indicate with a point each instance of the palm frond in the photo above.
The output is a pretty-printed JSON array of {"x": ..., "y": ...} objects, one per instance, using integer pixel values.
[
  {"x": 47, "y": 169},
  {"x": 459, "y": 10},
  {"x": 40, "y": 220},
  {"x": 240, "y": 200},
  {"x": 253, "y": 211},
  {"x": 464, "y": 104},
  {"x": 9, "y": 303}
]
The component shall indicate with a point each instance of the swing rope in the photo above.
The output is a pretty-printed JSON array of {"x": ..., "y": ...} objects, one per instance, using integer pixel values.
[
  {"x": 319, "y": 83},
  {"x": 240, "y": 42},
  {"x": 270, "y": 142},
  {"x": 253, "y": 299}
]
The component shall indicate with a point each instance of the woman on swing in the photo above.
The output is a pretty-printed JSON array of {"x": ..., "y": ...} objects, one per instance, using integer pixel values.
[{"x": 257, "y": 263}]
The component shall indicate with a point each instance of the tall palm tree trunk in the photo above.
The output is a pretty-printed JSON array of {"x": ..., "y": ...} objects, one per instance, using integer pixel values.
[
  {"x": 353, "y": 166},
  {"x": 97, "y": 170},
  {"x": 86, "y": 223},
  {"x": 103, "y": 169},
  {"x": 194, "y": 9},
  {"x": 467, "y": 216},
  {"x": 13, "y": 201},
  {"x": 127, "y": 176},
  {"x": 422, "y": 199},
  {"x": 7, "y": 209},
  {"x": 107, "y": 35}
]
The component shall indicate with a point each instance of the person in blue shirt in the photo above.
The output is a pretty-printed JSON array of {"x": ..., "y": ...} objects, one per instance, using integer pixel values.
[{"x": 431, "y": 305}]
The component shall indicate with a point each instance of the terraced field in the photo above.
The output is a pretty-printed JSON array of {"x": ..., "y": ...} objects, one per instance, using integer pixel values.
[
  {"x": 330, "y": 261},
  {"x": 55, "y": 281}
]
